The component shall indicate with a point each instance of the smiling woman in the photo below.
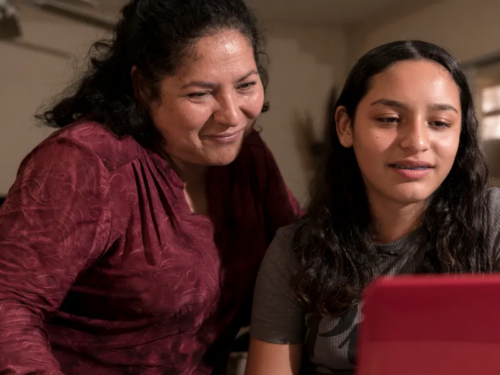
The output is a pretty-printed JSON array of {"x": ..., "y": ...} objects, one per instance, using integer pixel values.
[
  {"x": 131, "y": 239},
  {"x": 401, "y": 160},
  {"x": 402, "y": 190},
  {"x": 211, "y": 104}
]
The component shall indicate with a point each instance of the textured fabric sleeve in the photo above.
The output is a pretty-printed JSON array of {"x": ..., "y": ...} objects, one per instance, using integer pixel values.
[
  {"x": 494, "y": 225},
  {"x": 53, "y": 225},
  {"x": 276, "y": 316},
  {"x": 281, "y": 207}
]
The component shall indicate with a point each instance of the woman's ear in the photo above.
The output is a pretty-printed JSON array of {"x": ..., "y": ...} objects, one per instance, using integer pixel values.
[
  {"x": 138, "y": 84},
  {"x": 344, "y": 127}
]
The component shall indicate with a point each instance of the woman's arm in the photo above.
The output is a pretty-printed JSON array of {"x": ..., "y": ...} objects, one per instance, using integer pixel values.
[
  {"x": 266, "y": 358},
  {"x": 281, "y": 208},
  {"x": 278, "y": 324},
  {"x": 54, "y": 224}
]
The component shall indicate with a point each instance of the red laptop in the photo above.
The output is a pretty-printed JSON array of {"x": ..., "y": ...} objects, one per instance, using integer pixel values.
[{"x": 431, "y": 325}]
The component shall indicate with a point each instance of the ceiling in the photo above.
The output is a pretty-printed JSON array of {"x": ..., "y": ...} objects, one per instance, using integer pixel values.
[
  {"x": 329, "y": 12},
  {"x": 315, "y": 12}
]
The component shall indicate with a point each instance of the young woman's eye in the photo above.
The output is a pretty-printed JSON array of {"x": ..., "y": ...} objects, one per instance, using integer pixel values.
[
  {"x": 388, "y": 120},
  {"x": 439, "y": 124}
]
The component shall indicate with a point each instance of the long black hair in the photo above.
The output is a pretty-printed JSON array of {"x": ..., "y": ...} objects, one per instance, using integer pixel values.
[
  {"x": 335, "y": 246},
  {"x": 155, "y": 36}
]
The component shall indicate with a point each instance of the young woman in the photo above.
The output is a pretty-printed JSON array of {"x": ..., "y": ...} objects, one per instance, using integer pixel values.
[
  {"x": 403, "y": 190},
  {"x": 131, "y": 239}
]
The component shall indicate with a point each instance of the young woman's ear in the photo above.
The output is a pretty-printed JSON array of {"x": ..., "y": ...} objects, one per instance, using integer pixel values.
[{"x": 344, "y": 127}]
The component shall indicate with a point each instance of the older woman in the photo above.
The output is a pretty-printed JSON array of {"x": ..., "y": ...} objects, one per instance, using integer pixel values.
[{"x": 131, "y": 239}]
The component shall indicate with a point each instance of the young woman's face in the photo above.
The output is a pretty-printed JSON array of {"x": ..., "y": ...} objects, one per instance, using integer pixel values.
[
  {"x": 406, "y": 131},
  {"x": 207, "y": 108}
]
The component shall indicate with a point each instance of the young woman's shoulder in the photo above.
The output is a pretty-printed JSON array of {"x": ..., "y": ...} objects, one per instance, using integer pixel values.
[
  {"x": 276, "y": 316},
  {"x": 282, "y": 249},
  {"x": 493, "y": 197},
  {"x": 286, "y": 235},
  {"x": 493, "y": 202}
]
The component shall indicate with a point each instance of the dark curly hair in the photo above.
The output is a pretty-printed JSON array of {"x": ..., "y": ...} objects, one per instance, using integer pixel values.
[
  {"x": 156, "y": 36},
  {"x": 335, "y": 247}
]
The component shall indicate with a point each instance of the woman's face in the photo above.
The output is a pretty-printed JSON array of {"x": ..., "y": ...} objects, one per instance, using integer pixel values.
[
  {"x": 406, "y": 131},
  {"x": 211, "y": 103}
]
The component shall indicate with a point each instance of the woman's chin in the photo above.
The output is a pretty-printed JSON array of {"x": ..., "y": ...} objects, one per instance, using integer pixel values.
[
  {"x": 412, "y": 193},
  {"x": 220, "y": 159},
  {"x": 222, "y": 156}
]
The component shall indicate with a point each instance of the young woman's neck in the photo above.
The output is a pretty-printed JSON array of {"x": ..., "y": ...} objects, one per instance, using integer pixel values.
[{"x": 393, "y": 220}]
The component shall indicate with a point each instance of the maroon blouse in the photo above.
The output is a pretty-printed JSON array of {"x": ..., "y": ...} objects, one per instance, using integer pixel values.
[{"x": 105, "y": 270}]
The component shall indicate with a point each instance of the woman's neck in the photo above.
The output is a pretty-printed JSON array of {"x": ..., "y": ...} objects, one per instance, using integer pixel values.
[
  {"x": 393, "y": 220},
  {"x": 194, "y": 178},
  {"x": 190, "y": 174}
]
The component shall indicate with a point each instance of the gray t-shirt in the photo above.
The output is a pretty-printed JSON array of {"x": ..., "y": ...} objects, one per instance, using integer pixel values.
[{"x": 330, "y": 344}]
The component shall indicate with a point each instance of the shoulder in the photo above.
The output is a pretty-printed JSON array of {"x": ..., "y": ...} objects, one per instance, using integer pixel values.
[
  {"x": 277, "y": 317},
  {"x": 289, "y": 232},
  {"x": 95, "y": 139},
  {"x": 493, "y": 199},
  {"x": 282, "y": 248},
  {"x": 493, "y": 204}
]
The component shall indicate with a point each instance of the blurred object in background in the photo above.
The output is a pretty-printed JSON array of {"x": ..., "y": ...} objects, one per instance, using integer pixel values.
[
  {"x": 85, "y": 12},
  {"x": 77, "y": 10},
  {"x": 311, "y": 148},
  {"x": 487, "y": 81},
  {"x": 10, "y": 27},
  {"x": 237, "y": 363}
]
